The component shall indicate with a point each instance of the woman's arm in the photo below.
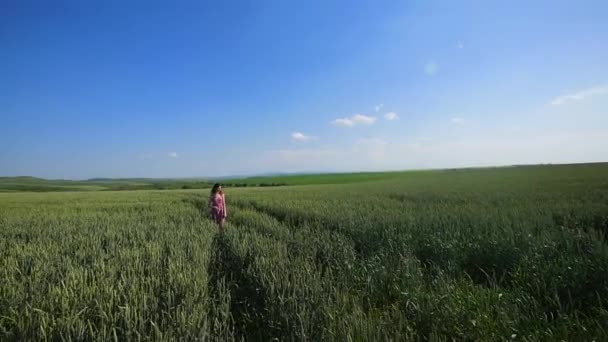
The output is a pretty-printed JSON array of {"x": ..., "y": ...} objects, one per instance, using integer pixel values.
[
  {"x": 210, "y": 204},
  {"x": 224, "y": 204}
]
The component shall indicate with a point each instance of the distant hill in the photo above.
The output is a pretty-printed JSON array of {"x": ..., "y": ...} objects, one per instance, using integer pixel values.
[
  {"x": 26, "y": 183},
  {"x": 22, "y": 179}
]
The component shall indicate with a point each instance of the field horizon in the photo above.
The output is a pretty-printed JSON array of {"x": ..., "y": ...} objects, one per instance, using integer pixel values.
[
  {"x": 38, "y": 184},
  {"x": 391, "y": 171},
  {"x": 516, "y": 253}
]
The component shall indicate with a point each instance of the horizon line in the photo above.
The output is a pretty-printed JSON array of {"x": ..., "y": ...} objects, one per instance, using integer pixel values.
[{"x": 270, "y": 174}]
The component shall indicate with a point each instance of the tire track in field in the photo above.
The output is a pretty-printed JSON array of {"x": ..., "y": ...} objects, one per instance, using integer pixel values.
[
  {"x": 346, "y": 267},
  {"x": 229, "y": 282},
  {"x": 199, "y": 203},
  {"x": 247, "y": 296},
  {"x": 326, "y": 255},
  {"x": 291, "y": 322},
  {"x": 284, "y": 234},
  {"x": 366, "y": 243},
  {"x": 294, "y": 222},
  {"x": 352, "y": 273},
  {"x": 291, "y": 222}
]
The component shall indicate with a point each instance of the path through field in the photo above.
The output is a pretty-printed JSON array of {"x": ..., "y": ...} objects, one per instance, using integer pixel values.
[{"x": 502, "y": 254}]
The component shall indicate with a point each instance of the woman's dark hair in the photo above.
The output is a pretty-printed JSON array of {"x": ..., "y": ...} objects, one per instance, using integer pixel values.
[{"x": 216, "y": 188}]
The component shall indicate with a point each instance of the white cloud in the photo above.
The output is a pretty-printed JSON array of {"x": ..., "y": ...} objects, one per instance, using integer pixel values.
[
  {"x": 173, "y": 155},
  {"x": 457, "y": 120},
  {"x": 581, "y": 95},
  {"x": 355, "y": 120},
  {"x": 299, "y": 136},
  {"x": 378, "y": 107},
  {"x": 345, "y": 122},
  {"x": 391, "y": 116},
  {"x": 363, "y": 119},
  {"x": 431, "y": 68}
]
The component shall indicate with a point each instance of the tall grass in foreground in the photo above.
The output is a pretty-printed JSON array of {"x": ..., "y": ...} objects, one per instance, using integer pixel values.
[
  {"x": 511, "y": 254},
  {"x": 105, "y": 266}
]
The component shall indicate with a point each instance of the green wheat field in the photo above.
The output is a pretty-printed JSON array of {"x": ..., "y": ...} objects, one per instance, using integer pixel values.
[{"x": 518, "y": 254}]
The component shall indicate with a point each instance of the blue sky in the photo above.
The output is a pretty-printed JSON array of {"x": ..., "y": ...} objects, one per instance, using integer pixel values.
[{"x": 209, "y": 88}]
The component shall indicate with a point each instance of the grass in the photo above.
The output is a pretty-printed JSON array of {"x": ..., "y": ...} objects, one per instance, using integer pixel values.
[
  {"x": 332, "y": 178},
  {"x": 32, "y": 184},
  {"x": 482, "y": 254}
]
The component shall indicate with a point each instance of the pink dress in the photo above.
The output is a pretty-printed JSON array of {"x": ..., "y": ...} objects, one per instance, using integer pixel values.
[{"x": 217, "y": 206}]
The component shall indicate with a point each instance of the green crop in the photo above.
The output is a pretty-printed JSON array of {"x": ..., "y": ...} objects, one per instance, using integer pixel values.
[{"x": 483, "y": 254}]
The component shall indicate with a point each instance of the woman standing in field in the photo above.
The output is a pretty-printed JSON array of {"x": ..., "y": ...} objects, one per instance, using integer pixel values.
[{"x": 217, "y": 205}]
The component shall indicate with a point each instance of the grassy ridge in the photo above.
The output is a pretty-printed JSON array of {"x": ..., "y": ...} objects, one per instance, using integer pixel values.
[
  {"x": 12, "y": 184},
  {"x": 528, "y": 173},
  {"x": 483, "y": 254}
]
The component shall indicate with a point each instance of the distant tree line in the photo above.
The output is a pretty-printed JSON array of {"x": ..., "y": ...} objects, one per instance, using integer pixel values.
[
  {"x": 227, "y": 185},
  {"x": 243, "y": 185},
  {"x": 120, "y": 186}
]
